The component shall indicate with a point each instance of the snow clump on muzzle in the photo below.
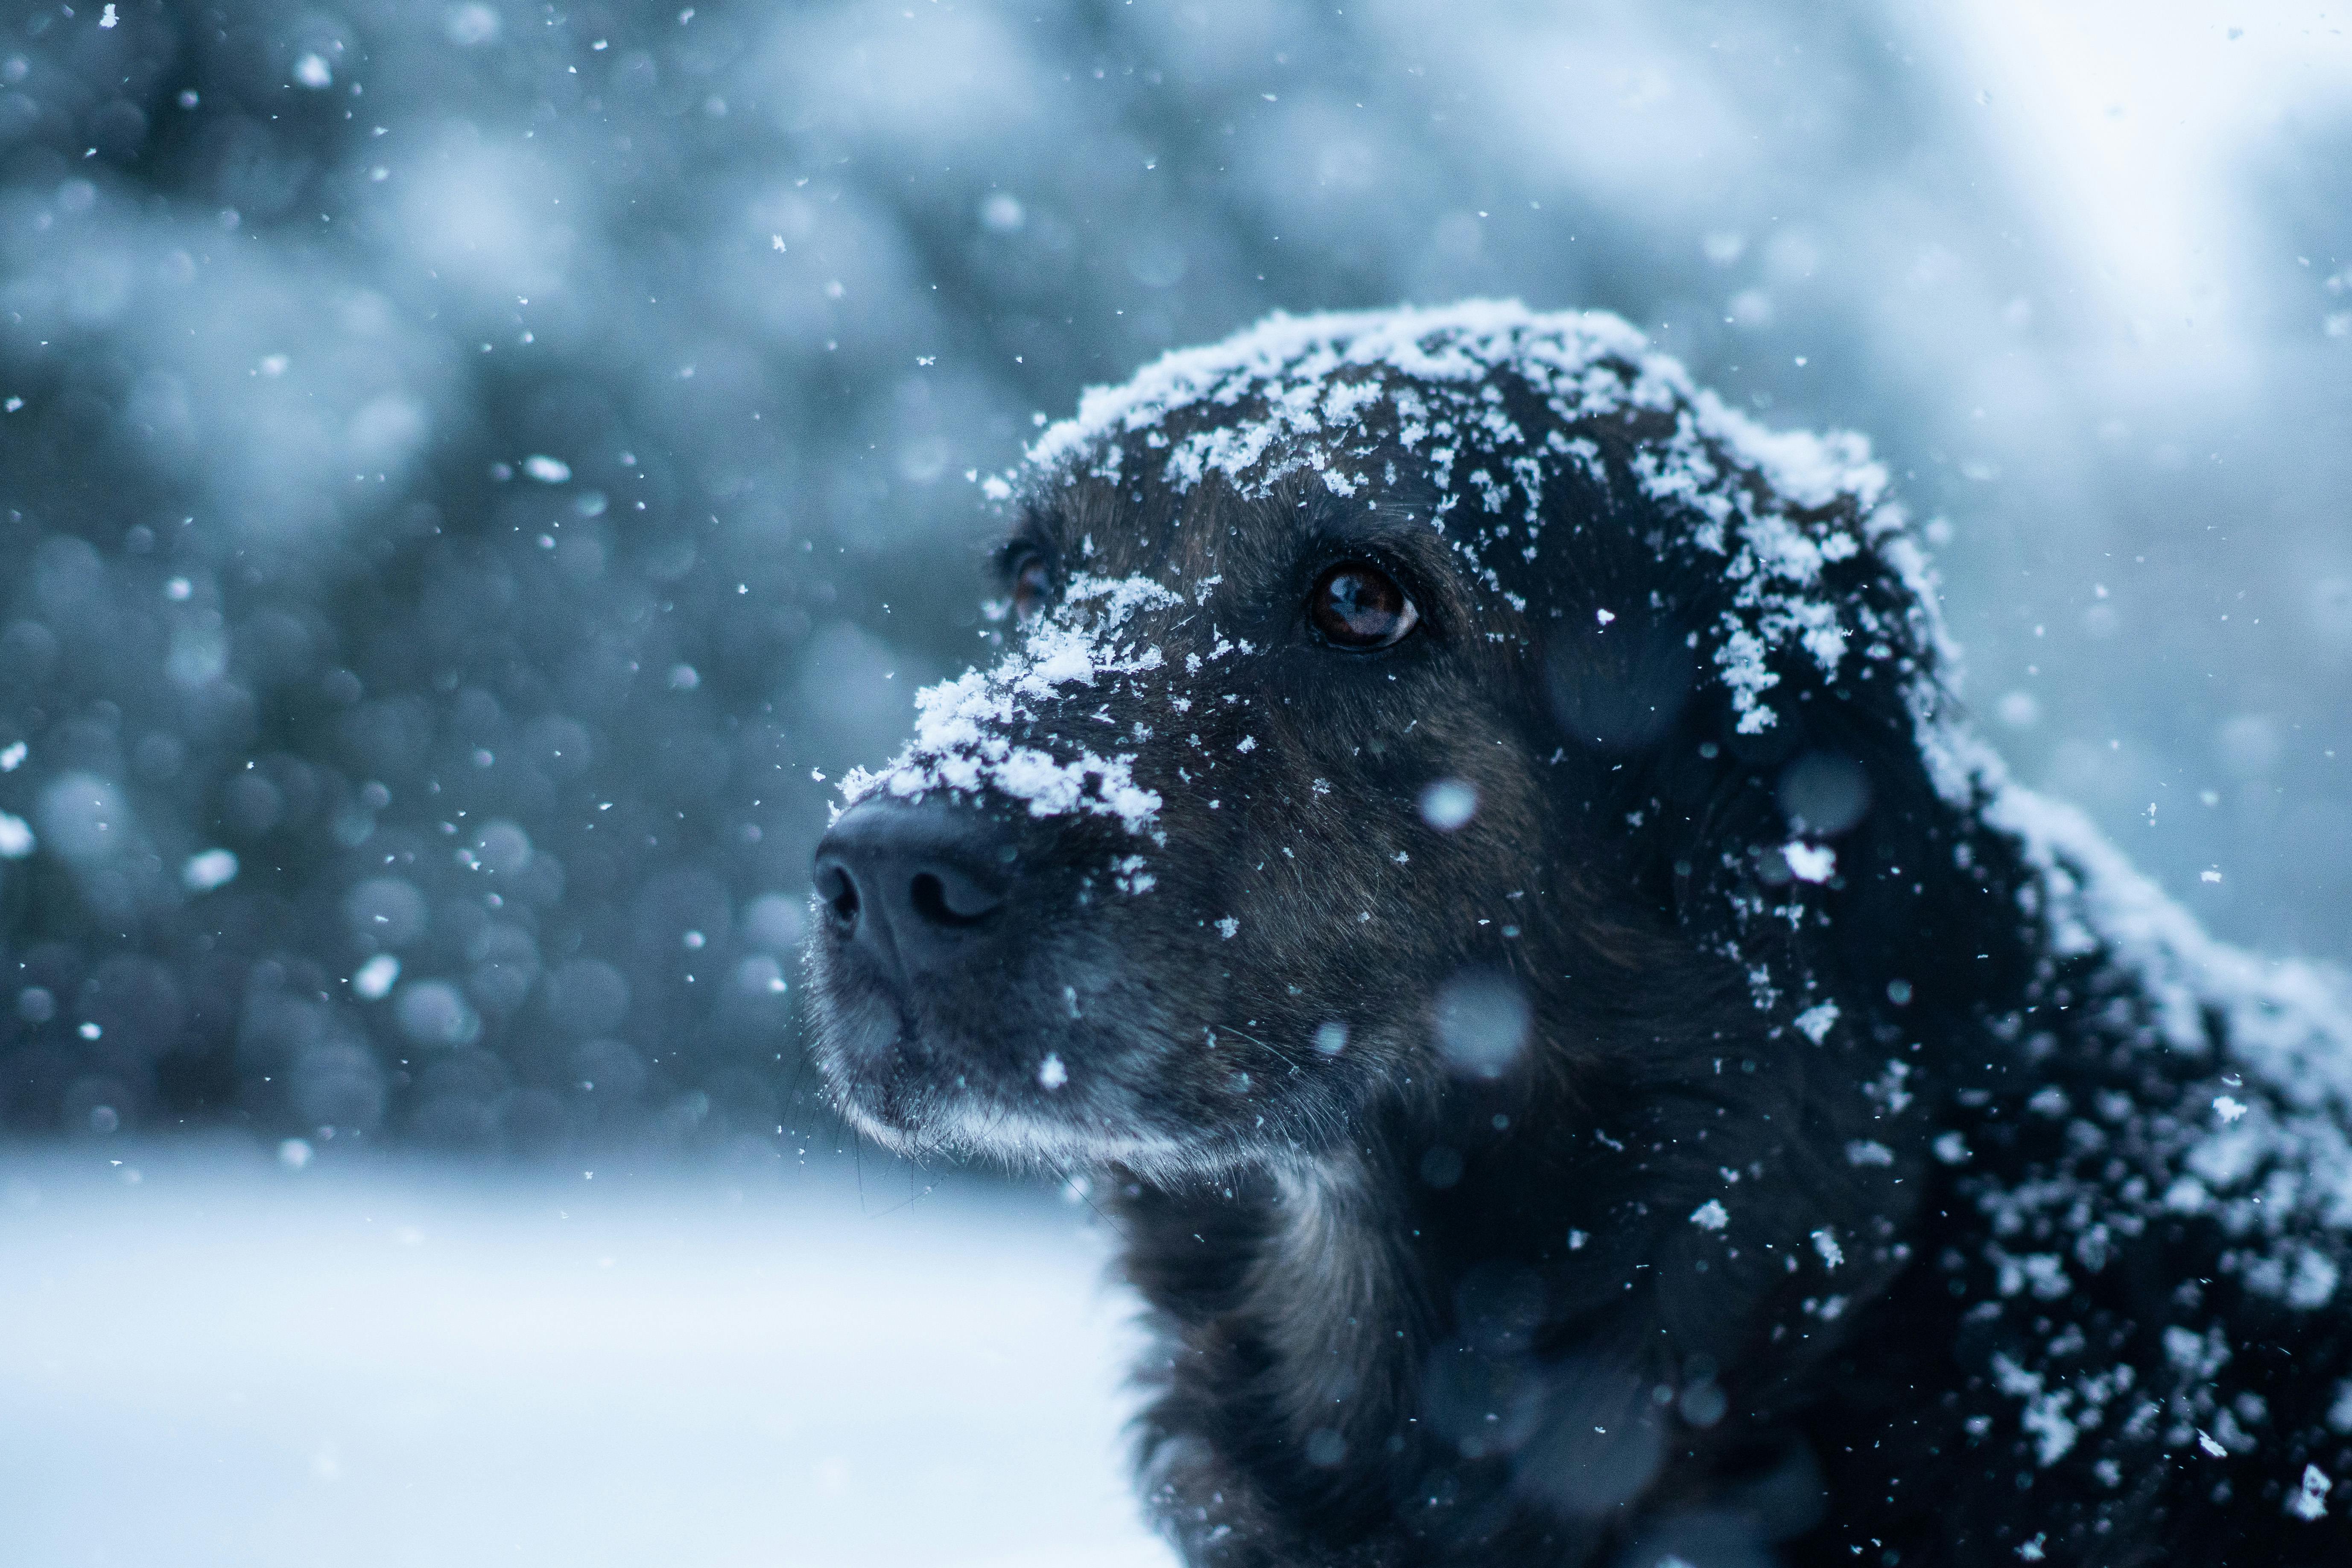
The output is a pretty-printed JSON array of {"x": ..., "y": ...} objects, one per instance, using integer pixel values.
[{"x": 965, "y": 729}]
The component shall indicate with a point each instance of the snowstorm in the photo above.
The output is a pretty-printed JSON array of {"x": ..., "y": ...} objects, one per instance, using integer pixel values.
[{"x": 485, "y": 485}]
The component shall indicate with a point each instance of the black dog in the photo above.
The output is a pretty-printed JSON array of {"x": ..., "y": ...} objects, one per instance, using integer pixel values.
[{"x": 1469, "y": 838}]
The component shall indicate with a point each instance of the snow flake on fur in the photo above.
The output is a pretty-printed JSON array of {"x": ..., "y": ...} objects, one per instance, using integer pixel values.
[
  {"x": 965, "y": 729},
  {"x": 2200, "y": 1084},
  {"x": 1318, "y": 394},
  {"x": 2219, "y": 1088}
]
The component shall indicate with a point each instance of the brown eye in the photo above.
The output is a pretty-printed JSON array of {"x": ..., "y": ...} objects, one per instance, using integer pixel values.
[
  {"x": 1357, "y": 606},
  {"x": 1033, "y": 585}
]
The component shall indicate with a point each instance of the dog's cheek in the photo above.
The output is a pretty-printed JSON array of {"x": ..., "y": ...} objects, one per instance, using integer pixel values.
[
  {"x": 1078, "y": 1028},
  {"x": 1153, "y": 1014}
]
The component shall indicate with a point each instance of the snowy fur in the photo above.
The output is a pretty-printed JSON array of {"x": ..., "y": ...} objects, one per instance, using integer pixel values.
[
  {"x": 960, "y": 744},
  {"x": 1916, "y": 1184}
]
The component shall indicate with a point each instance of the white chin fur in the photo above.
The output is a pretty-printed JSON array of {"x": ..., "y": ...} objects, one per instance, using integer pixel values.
[{"x": 1024, "y": 1141}]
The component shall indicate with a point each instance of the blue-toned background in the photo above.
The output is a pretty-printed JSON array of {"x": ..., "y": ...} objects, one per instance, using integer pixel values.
[
  {"x": 475, "y": 464},
  {"x": 466, "y": 470}
]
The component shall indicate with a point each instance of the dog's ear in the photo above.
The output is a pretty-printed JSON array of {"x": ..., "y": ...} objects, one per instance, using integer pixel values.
[
  {"x": 1818, "y": 829},
  {"x": 1822, "y": 838}
]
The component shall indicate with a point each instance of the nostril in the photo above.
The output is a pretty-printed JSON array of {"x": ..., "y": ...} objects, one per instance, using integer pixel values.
[
  {"x": 839, "y": 891},
  {"x": 913, "y": 890},
  {"x": 944, "y": 898}
]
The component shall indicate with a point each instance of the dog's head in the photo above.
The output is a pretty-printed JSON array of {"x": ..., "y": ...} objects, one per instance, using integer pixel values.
[{"x": 1380, "y": 697}]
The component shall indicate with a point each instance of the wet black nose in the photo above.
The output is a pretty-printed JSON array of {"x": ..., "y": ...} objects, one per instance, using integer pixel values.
[{"x": 917, "y": 888}]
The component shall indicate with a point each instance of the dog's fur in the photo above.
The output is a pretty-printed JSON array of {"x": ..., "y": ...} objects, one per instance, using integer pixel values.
[{"x": 1951, "y": 1202}]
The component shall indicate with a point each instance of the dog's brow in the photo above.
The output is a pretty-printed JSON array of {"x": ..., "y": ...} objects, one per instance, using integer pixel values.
[{"x": 1406, "y": 535}]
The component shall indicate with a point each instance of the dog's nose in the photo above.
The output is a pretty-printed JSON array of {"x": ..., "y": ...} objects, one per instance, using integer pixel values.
[{"x": 915, "y": 887}]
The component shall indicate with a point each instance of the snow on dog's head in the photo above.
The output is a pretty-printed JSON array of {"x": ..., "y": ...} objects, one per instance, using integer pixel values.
[
  {"x": 1370, "y": 405},
  {"x": 1360, "y": 400},
  {"x": 1271, "y": 594}
]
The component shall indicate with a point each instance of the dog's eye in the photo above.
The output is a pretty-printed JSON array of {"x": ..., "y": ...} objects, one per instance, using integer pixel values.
[
  {"x": 1357, "y": 606},
  {"x": 1032, "y": 586}
]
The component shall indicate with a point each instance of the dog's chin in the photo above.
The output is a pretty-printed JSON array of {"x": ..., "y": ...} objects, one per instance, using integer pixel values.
[
  {"x": 1020, "y": 1139},
  {"x": 920, "y": 1095},
  {"x": 1029, "y": 1135}
]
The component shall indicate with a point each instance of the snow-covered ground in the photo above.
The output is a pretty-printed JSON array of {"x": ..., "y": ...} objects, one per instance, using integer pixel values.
[{"x": 208, "y": 1359}]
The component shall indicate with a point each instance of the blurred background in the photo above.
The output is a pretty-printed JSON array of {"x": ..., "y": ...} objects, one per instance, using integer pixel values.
[{"x": 470, "y": 474}]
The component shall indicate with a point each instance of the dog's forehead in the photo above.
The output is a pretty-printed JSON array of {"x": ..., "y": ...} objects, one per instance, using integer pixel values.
[
  {"x": 1428, "y": 437},
  {"x": 1493, "y": 416},
  {"x": 1218, "y": 535}
]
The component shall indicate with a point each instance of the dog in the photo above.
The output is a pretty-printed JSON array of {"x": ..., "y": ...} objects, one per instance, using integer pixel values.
[{"x": 1472, "y": 845}]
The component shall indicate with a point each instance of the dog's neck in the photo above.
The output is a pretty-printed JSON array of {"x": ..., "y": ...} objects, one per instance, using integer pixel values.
[
  {"x": 1294, "y": 1302},
  {"x": 1308, "y": 1301},
  {"x": 1340, "y": 1295}
]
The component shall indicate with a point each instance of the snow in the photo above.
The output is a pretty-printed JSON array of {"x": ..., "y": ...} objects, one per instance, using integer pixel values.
[
  {"x": 1449, "y": 804},
  {"x": 1301, "y": 394},
  {"x": 372, "y": 981},
  {"x": 208, "y": 870},
  {"x": 962, "y": 743},
  {"x": 1825, "y": 1243},
  {"x": 1810, "y": 862},
  {"x": 1484, "y": 1023},
  {"x": 1928, "y": 324},
  {"x": 221, "y": 1361},
  {"x": 2261, "y": 1146},
  {"x": 2289, "y": 1023},
  {"x": 1816, "y": 1021}
]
